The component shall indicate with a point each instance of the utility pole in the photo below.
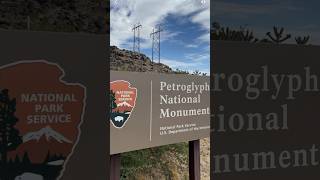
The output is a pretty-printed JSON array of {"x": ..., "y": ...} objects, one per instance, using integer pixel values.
[
  {"x": 136, "y": 37},
  {"x": 156, "y": 39}
]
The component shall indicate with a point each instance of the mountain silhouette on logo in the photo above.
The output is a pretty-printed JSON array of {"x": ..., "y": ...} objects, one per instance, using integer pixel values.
[
  {"x": 124, "y": 107},
  {"x": 124, "y": 103},
  {"x": 46, "y": 132}
]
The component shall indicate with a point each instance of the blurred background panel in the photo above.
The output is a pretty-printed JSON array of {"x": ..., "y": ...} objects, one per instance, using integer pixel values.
[{"x": 297, "y": 18}]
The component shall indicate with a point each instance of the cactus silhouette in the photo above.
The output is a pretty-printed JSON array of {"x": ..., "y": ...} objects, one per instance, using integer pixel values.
[
  {"x": 302, "y": 40},
  {"x": 228, "y": 34},
  {"x": 243, "y": 34},
  {"x": 278, "y": 35}
]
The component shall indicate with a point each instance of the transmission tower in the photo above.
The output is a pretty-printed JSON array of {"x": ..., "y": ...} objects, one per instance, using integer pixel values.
[
  {"x": 155, "y": 35},
  {"x": 136, "y": 37}
]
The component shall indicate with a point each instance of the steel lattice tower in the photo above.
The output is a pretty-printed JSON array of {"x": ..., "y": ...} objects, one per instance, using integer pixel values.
[
  {"x": 156, "y": 39},
  {"x": 136, "y": 37}
]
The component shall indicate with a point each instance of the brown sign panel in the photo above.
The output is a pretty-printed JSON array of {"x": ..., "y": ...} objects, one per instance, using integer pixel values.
[{"x": 152, "y": 109}]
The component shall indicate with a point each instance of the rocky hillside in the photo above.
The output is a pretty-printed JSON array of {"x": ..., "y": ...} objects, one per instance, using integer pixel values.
[
  {"x": 90, "y": 16},
  {"x": 173, "y": 164},
  {"x": 124, "y": 60}
]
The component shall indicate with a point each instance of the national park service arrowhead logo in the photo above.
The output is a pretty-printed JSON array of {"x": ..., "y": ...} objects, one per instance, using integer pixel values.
[
  {"x": 123, "y": 100},
  {"x": 42, "y": 114}
]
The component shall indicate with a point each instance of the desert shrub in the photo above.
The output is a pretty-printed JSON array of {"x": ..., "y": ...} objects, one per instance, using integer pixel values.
[{"x": 147, "y": 160}]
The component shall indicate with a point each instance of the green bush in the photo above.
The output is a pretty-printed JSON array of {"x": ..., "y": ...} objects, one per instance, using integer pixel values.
[{"x": 143, "y": 161}]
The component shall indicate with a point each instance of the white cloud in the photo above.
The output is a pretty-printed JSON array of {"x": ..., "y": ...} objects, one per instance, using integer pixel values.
[
  {"x": 125, "y": 13},
  {"x": 191, "y": 62},
  {"x": 191, "y": 45},
  {"x": 189, "y": 67},
  {"x": 203, "y": 18},
  {"x": 180, "y": 64},
  {"x": 198, "y": 57},
  {"x": 165, "y": 36},
  {"x": 205, "y": 38}
]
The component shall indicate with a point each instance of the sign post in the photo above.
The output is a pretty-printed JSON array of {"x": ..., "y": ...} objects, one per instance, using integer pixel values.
[
  {"x": 194, "y": 160},
  {"x": 115, "y": 164}
]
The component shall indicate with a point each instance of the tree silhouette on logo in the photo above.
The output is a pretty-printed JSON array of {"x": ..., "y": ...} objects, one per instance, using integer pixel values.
[
  {"x": 9, "y": 135},
  {"x": 113, "y": 104}
]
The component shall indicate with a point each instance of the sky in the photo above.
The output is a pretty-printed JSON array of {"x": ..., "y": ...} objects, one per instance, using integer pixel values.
[
  {"x": 299, "y": 18},
  {"x": 185, "y": 39}
]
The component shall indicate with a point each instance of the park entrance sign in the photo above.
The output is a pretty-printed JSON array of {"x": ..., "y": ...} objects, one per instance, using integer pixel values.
[{"x": 152, "y": 109}]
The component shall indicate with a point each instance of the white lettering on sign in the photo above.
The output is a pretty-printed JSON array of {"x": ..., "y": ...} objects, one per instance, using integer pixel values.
[
  {"x": 49, "y": 119},
  {"x": 49, "y": 108},
  {"x": 50, "y": 97}
]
